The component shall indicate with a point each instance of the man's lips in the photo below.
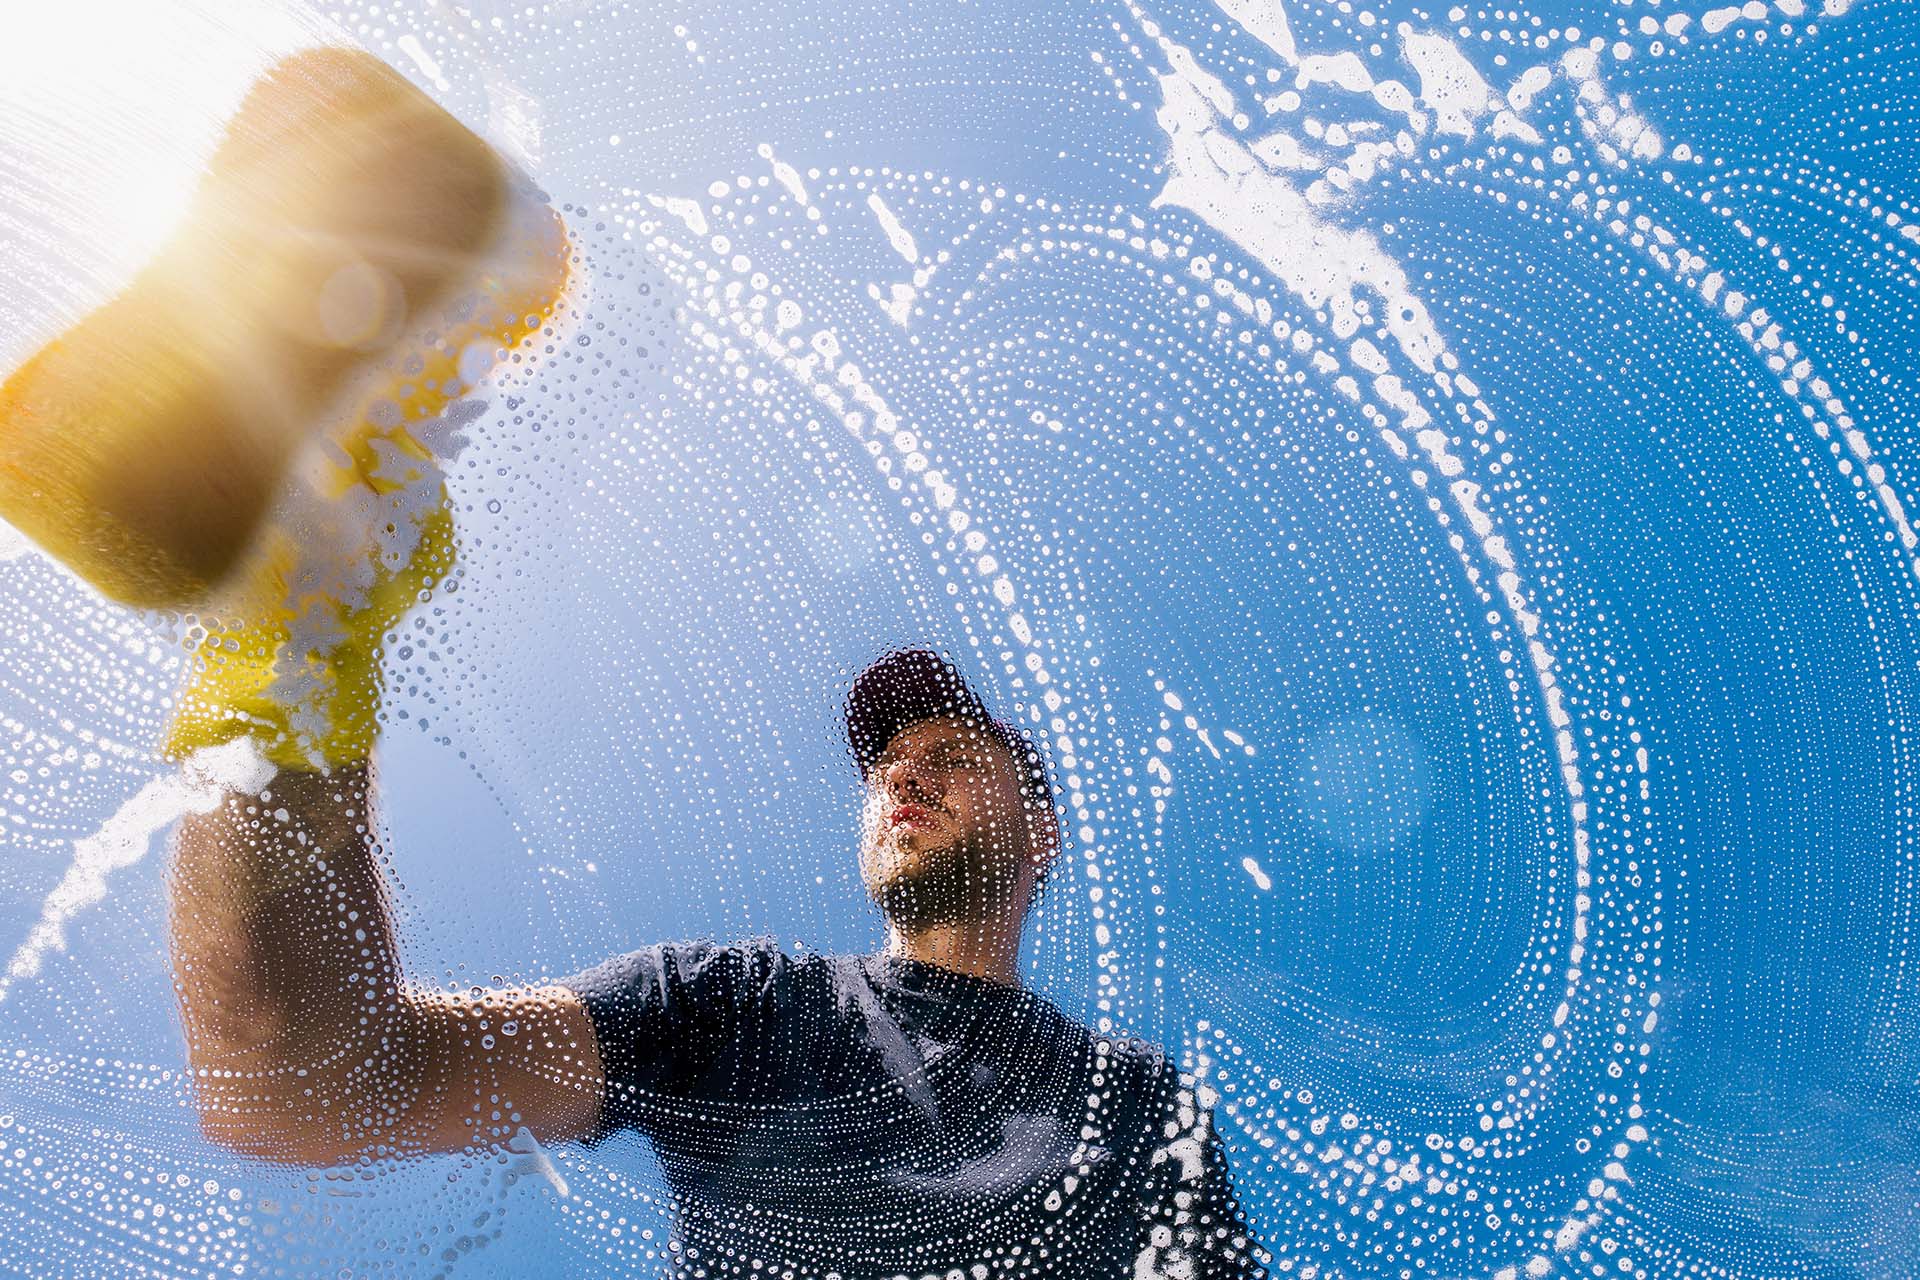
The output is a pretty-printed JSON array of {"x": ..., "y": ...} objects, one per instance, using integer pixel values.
[{"x": 913, "y": 813}]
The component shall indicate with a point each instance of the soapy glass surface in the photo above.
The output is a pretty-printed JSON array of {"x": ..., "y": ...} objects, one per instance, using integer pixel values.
[{"x": 1439, "y": 479}]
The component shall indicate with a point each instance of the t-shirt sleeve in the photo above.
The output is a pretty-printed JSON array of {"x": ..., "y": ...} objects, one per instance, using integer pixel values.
[
  {"x": 663, "y": 1017},
  {"x": 1191, "y": 1222},
  {"x": 1224, "y": 1245}
]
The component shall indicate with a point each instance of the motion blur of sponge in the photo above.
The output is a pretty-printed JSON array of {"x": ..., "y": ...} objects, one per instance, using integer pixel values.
[
  {"x": 350, "y": 242},
  {"x": 252, "y": 430}
]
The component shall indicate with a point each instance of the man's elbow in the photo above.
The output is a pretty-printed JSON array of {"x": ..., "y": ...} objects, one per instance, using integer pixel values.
[
  {"x": 317, "y": 1105},
  {"x": 266, "y": 1119},
  {"x": 252, "y": 1124},
  {"x": 259, "y": 1139}
]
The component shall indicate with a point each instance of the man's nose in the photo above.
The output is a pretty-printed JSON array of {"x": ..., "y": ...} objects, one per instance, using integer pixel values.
[{"x": 904, "y": 778}]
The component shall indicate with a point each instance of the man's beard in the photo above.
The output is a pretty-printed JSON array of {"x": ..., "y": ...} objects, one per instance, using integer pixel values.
[{"x": 949, "y": 884}]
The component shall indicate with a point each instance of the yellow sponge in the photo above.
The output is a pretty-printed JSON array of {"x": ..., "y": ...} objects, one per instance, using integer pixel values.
[
  {"x": 348, "y": 233},
  {"x": 300, "y": 672},
  {"x": 240, "y": 432}
]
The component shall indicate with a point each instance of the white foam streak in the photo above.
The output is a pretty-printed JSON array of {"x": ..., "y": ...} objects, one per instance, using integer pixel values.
[
  {"x": 123, "y": 839},
  {"x": 1449, "y": 84},
  {"x": 1212, "y": 174},
  {"x": 1266, "y": 21},
  {"x": 787, "y": 176},
  {"x": 897, "y": 235}
]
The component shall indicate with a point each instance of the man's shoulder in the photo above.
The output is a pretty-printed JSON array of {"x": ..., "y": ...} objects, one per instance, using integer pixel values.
[
  {"x": 777, "y": 974},
  {"x": 1141, "y": 1063},
  {"x": 1135, "y": 1051},
  {"x": 688, "y": 966},
  {"x": 1136, "y": 1064},
  {"x": 756, "y": 964}
]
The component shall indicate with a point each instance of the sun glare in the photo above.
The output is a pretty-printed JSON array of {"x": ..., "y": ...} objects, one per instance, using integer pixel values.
[{"x": 112, "y": 107}]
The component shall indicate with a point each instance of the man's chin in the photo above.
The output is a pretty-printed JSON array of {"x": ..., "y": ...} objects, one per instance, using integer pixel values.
[
  {"x": 919, "y": 887},
  {"x": 922, "y": 888},
  {"x": 909, "y": 908}
]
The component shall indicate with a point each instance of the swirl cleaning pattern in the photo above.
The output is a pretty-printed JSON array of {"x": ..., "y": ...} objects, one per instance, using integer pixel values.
[{"x": 1438, "y": 481}]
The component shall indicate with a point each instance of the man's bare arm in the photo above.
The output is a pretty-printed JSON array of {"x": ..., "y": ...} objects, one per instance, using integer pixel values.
[{"x": 306, "y": 1043}]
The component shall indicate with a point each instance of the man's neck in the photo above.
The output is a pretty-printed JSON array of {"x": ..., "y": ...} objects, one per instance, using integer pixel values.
[{"x": 965, "y": 946}]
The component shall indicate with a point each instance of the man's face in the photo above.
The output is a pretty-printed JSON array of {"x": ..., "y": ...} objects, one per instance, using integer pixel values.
[{"x": 945, "y": 835}]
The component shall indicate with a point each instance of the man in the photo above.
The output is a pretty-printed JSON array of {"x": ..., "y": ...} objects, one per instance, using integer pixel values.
[
  {"x": 910, "y": 1112},
  {"x": 906, "y": 1112}
]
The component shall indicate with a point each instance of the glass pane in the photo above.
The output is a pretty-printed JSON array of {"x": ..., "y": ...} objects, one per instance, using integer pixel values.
[{"x": 922, "y": 639}]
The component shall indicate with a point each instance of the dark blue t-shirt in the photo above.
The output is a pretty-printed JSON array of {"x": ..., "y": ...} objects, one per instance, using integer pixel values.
[{"x": 873, "y": 1116}]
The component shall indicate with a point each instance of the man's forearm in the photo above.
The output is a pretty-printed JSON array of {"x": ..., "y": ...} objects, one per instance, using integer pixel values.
[
  {"x": 306, "y": 1043},
  {"x": 285, "y": 964}
]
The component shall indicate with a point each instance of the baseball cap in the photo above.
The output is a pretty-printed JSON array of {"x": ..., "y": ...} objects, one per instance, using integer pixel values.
[{"x": 905, "y": 686}]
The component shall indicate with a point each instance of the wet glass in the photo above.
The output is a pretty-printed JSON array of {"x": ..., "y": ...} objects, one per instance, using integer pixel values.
[{"x": 1433, "y": 485}]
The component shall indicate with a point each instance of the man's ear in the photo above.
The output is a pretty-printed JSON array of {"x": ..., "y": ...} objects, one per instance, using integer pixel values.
[{"x": 1047, "y": 848}]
